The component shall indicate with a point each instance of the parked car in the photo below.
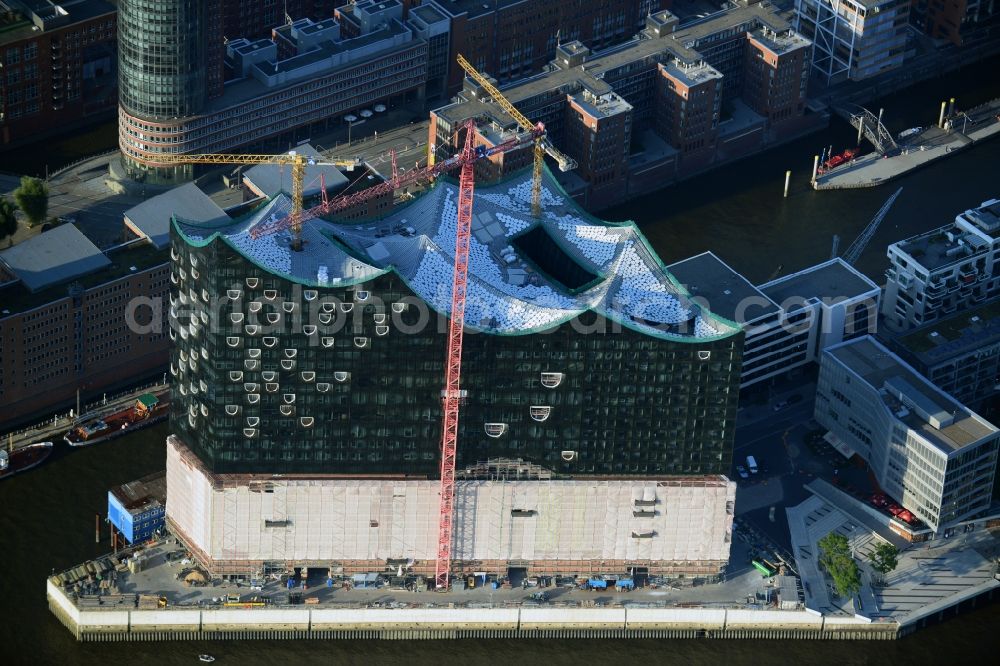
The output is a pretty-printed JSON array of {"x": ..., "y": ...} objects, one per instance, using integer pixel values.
[{"x": 741, "y": 470}]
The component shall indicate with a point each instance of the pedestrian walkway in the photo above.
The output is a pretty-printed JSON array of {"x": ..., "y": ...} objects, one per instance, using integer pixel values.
[{"x": 928, "y": 578}]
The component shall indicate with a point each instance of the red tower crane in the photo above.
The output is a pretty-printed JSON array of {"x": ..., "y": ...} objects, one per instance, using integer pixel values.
[
  {"x": 451, "y": 395},
  {"x": 453, "y": 362}
]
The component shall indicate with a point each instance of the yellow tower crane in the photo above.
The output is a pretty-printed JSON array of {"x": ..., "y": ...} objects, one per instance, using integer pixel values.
[
  {"x": 297, "y": 161},
  {"x": 542, "y": 144}
]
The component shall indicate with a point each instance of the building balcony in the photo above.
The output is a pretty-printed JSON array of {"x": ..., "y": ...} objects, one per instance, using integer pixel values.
[{"x": 935, "y": 289}]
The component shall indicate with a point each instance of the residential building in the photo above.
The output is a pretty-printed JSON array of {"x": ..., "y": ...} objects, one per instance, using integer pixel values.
[
  {"x": 855, "y": 39},
  {"x": 584, "y": 363},
  {"x": 58, "y": 67},
  {"x": 926, "y": 450},
  {"x": 304, "y": 76},
  {"x": 938, "y": 273},
  {"x": 959, "y": 354},
  {"x": 709, "y": 92},
  {"x": 789, "y": 321},
  {"x": 137, "y": 509}
]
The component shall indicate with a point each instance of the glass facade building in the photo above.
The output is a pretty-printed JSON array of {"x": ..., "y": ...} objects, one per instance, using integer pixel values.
[
  {"x": 162, "y": 56},
  {"x": 331, "y": 360}
]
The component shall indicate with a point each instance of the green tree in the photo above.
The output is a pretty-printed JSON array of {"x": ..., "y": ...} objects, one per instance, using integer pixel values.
[
  {"x": 884, "y": 558},
  {"x": 33, "y": 198},
  {"x": 8, "y": 220},
  {"x": 835, "y": 557}
]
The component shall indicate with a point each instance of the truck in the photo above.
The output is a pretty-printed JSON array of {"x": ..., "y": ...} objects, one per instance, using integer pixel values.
[{"x": 751, "y": 464}]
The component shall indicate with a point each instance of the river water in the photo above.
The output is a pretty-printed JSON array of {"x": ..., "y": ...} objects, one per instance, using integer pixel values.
[{"x": 47, "y": 515}]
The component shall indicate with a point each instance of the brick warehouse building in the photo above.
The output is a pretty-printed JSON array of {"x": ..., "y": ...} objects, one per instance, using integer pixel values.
[
  {"x": 58, "y": 68},
  {"x": 676, "y": 99},
  {"x": 297, "y": 374}
]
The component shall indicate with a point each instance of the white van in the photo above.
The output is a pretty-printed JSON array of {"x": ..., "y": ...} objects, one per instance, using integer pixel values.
[{"x": 751, "y": 465}]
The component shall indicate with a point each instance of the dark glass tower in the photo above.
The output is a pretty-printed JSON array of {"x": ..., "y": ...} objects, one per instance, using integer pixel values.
[
  {"x": 331, "y": 360},
  {"x": 162, "y": 55}
]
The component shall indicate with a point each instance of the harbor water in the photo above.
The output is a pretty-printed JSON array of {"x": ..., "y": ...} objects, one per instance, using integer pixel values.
[{"x": 47, "y": 516}]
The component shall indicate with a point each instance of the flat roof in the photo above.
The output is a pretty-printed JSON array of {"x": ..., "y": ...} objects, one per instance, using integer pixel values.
[
  {"x": 602, "y": 106},
  {"x": 963, "y": 332},
  {"x": 727, "y": 293},
  {"x": 941, "y": 247},
  {"x": 143, "y": 493},
  {"x": 429, "y": 14},
  {"x": 986, "y": 217},
  {"x": 76, "y": 11},
  {"x": 151, "y": 218},
  {"x": 56, "y": 255},
  {"x": 270, "y": 179},
  {"x": 17, "y": 298},
  {"x": 834, "y": 279},
  {"x": 476, "y": 8},
  {"x": 890, "y": 375}
]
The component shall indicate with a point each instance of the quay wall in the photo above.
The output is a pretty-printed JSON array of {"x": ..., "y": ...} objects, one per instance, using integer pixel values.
[{"x": 441, "y": 623}]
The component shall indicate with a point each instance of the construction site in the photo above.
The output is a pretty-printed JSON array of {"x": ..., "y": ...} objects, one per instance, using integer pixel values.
[{"x": 310, "y": 425}]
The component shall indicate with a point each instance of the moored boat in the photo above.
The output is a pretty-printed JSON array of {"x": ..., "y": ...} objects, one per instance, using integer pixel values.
[
  {"x": 19, "y": 460},
  {"x": 146, "y": 410}
]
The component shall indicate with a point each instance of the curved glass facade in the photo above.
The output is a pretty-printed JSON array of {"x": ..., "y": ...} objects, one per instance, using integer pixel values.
[
  {"x": 273, "y": 377},
  {"x": 162, "y": 56}
]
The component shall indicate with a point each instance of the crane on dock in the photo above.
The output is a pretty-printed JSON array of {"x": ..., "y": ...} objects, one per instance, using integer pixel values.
[
  {"x": 542, "y": 144},
  {"x": 296, "y": 160},
  {"x": 861, "y": 242}
]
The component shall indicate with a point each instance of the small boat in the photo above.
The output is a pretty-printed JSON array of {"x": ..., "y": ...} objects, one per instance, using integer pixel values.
[
  {"x": 14, "y": 460},
  {"x": 146, "y": 410},
  {"x": 207, "y": 658}
]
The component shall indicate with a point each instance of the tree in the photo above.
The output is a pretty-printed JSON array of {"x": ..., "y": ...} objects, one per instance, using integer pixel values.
[
  {"x": 33, "y": 198},
  {"x": 8, "y": 220},
  {"x": 884, "y": 558},
  {"x": 835, "y": 557}
]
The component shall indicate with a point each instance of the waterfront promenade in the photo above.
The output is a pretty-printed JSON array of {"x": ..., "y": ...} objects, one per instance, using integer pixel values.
[{"x": 874, "y": 169}]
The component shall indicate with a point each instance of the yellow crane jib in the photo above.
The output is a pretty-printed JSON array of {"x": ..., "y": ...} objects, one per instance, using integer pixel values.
[
  {"x": 542, "y": 144},
  {"x": 297, "y": 161}
]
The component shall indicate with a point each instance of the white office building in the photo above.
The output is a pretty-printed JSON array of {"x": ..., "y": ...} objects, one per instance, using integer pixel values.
[{"x": 927, "y": 451}]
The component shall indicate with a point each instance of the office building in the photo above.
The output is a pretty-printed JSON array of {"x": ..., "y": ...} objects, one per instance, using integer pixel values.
[
  {"x": 938, "y": 273},
  {"x": 926, "y": 450},
  {"x": 58, "y": 67},
  {"x": 305, "y": 75},
  {"x": 788, "y": 321},
  {"x": 673, "y": 100},
  {"x": 855, "y": 39},
  {"x": 137, "y": 509},
  {"x": 583, "y": 362}
]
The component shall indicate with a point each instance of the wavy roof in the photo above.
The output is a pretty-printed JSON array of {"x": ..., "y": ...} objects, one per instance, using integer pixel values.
[{"x": 507, "y": 293}]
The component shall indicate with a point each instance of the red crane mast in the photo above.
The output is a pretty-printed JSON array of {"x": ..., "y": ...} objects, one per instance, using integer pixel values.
[
  {"x": 453, "y": 362},
  {"x": 451, "y": 395}
]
